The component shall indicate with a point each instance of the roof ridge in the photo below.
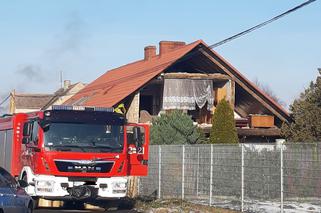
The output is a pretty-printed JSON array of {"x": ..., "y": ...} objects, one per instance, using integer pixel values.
[
  {"x": 180, "y": 47},
  {"x": 33, "y": 94},
  {"x": 157, "y": 56}
]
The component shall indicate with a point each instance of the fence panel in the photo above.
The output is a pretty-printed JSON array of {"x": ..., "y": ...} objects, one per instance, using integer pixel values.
[
  {"x": 262, "y": 176},
  {"x": 197, "y": 173},
  {"x": 302, "y": 175},
  {"x": 171, "y": 181},
  {"x": 226, "y": 175},
  {"x": 249, "y": 177},
  {"x": 148, "y": 186}
]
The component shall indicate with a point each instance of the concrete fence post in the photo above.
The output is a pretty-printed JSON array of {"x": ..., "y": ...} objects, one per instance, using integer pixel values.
[
  {"x": 159, "y": 172},
  {"x": 281, "y": 176},
  {"x": 183, "y": 171},
  {"x": 211, "y": 175},
  {"x": 242, "y": 177},
  {"x": 197, "y": 172}
]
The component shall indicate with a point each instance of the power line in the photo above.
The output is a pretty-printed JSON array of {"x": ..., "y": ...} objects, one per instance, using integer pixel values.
[
  {"x": 99, "y": 86},
  {"x": 102, "y": 85},
  {"x": 5, "y": 99},
  {"x": 261, "y": 25}
]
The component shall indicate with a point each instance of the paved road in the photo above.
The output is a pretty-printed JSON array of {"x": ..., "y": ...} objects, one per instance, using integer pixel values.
[
  {"x": 125, "y": 205},
  {"x": 72, "y": 207}
]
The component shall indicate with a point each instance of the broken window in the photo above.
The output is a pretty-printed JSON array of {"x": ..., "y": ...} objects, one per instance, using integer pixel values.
[{"x": 185, "y": 94}]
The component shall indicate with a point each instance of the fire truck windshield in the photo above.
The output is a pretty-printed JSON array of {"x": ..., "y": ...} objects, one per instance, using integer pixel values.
[{"x": 78, "y": 137}]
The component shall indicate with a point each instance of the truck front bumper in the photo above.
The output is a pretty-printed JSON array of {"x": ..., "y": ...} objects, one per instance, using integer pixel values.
[{"x": 51, "y": 186}]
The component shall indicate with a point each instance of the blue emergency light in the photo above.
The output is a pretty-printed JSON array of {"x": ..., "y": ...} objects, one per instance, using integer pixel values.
[{"x": 82, "y": 108}]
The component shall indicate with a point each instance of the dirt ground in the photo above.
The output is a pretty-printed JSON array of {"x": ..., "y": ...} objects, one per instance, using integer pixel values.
[
  {"x": 141, "y": 205},
  {"x": 176, "y": 206}
]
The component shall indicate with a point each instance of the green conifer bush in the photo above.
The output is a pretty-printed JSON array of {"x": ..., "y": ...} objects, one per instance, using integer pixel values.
[
  {"x": 223, "y": 124},
  {"x": 175, "y": 127}
]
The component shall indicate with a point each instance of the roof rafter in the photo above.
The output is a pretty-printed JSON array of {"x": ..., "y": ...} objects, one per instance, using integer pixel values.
[
  {"x": 216, "y": 76},
  {"x": 244, "y": 86}
]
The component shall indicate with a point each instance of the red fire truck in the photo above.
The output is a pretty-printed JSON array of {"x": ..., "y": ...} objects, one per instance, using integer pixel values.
[{"x": 73, "y": 152}]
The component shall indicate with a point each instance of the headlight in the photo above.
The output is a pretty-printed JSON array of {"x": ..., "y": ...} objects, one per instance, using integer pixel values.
[
  {"x": 45, "y": 185},
  {"x": 119, "y": 185}
]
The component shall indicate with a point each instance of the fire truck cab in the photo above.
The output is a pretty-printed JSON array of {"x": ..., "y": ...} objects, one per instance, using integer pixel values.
[{"x": 74, "y": 152}]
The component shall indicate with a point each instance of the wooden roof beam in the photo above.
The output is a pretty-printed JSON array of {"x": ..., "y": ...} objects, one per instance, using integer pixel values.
[
  {"x": 244, "y": 86},
  {"x": 215, "y": 76}
]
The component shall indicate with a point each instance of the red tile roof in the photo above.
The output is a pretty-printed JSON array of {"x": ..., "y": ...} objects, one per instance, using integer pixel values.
[{"x": 116, "y": 84}]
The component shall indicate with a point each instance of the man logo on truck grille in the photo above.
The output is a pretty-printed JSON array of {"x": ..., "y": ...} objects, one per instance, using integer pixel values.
[
  {"x": 87, "y": 166},
  {"x": 86, "y": 162},
  {"x": 84, "y": 168}
]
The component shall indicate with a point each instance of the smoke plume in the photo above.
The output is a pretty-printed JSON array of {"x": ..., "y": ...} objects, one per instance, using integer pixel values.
[
  {"x": 31, "y": 72},
  {"x": 71, "y": 39}
]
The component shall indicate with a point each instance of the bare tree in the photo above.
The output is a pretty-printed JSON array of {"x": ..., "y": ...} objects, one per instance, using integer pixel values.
[{"x": 268, "y": 91}]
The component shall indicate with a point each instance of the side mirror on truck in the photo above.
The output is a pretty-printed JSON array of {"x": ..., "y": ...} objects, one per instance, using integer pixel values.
[
  {"x": 26, "y": 130},
  {"x": 137, "y": 136},
  {"x": 44, "y": 125},
  {"x": 26, "y": 133},
  {"x": 25, "y": 140}
]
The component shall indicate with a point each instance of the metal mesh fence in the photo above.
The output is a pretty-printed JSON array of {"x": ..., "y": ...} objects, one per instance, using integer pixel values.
[
  {"x": 149, "y": 185},
  {"x": 302, "y": 173},
  {"x": 248, "y": 177}
]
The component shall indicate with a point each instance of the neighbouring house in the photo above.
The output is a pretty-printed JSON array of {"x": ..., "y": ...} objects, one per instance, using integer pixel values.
[
  {"x": 24, "y": 102},
  {"x": 64, "y": 94},
  {"x": 189, "y": 77}
]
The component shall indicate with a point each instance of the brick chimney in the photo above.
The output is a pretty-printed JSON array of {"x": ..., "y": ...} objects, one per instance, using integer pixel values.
[
  {"x": 149, "y": 52},
  {"x": 167, "y": 46},
  {"x": 67, "y": 84}
]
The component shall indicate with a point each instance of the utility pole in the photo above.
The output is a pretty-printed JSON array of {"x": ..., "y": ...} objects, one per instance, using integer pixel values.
[{"x": 61, "y": 81}]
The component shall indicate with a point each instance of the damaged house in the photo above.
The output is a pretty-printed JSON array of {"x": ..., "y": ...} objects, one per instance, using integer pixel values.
[{"x": 189, "y": 77}]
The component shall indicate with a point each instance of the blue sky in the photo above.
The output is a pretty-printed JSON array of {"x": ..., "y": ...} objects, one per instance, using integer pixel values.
[{"x": 84, "y": 39}]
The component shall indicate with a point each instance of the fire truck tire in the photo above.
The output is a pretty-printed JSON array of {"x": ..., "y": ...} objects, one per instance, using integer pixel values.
[{"x": 1, "y": 211}]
